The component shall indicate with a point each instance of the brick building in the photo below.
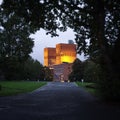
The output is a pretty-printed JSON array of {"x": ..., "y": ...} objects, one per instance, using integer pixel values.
[
  {"x": 65, "y": 53},
  {"x": 62, "y": 53},
  {"x": 60, "y": 60},
  {"x": 49, "y": 56},
  {"x": 62, "y": 71}
]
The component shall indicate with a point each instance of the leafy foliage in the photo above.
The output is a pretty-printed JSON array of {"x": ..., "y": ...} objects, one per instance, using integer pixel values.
[
  {"x": 92, "y": 71},
  {"x": 33, "y": 70},
  {"x": 15, "y": 44},
  {"x": 77, "y": 71},
  {"x": 14, "y": 37},
  {"x": 28, "y": 70}
]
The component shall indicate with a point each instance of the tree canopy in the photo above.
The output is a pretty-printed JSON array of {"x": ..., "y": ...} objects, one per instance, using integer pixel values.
[
  {"x": 96, "y": 21},
  {"x": 14, "y": 36},
  {"x": 15, "y": 44}
]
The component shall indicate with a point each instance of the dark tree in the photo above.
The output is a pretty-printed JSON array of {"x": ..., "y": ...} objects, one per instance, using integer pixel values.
[
  {"x": 33, "y": 70},
  {"x": 77, "y": 71},
  {"x": 15, "y": 44},
  {"x": 91, "y": 71},
  {"x": 14, "y": 36}
]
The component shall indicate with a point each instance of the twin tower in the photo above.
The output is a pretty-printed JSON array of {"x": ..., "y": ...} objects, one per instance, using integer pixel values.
[{"x": 63, "y": 53}]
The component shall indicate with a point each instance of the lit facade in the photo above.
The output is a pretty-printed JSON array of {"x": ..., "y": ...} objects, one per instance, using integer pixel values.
[
  {"x": 49, "y": 56},
  {"x": 65, "y": 53},
  {"x": 62, "y": 53},
  {"x": 60, "y": 60}
]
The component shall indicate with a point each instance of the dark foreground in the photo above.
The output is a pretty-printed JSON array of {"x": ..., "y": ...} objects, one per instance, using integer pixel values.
[{"x": 56, "y": 101}]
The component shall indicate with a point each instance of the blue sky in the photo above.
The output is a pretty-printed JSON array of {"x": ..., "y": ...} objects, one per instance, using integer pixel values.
[{"x": 41, "y": 40}]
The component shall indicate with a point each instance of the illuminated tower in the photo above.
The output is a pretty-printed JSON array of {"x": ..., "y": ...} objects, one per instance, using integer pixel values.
[
  {"x": 49, "y": 56},
  {"x": 65, "y": 53}
]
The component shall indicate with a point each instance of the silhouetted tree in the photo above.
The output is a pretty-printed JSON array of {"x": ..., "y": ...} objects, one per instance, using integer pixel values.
[
  {"x": 15, "y": 44},
  {"x": 33, "y": 70},
  {"x": 77, "y": 71},
  {"x": 92, "y": 71}
]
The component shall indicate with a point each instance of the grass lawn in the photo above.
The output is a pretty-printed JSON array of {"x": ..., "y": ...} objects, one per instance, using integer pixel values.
[
  {"x": 90, "y": 87},
  {"x": 17, "y": 87}
]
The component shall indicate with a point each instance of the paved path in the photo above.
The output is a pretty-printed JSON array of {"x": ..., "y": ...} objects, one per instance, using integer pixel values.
[{"x": 56, "y": 101}]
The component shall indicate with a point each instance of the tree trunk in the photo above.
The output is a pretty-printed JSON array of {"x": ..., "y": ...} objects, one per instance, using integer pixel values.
[
  {"x": 110, "y": 84},
  {"x": 104, "y": 57}
]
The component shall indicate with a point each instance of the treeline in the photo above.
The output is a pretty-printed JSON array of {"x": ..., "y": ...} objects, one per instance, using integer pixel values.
[
  {"x": 87, "y": 71},
  {"x": 12, "y": 69},
  {"x": 15, "y": 47}
]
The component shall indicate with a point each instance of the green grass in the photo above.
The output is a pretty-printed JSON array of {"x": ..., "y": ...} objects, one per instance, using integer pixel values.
[
  {"x": 16, "y": 87},
  {"x": 90, "y": 87}
]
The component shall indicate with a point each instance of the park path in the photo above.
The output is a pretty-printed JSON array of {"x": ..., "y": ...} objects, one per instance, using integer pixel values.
[{"x": 56, "y": 101}]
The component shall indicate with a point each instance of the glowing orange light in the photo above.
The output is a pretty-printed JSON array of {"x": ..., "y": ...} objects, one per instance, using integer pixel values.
[{"x": 67, "y": 59}]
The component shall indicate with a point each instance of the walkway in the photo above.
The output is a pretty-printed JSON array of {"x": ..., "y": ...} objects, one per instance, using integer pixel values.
[{"x": 56, "y": 101}]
